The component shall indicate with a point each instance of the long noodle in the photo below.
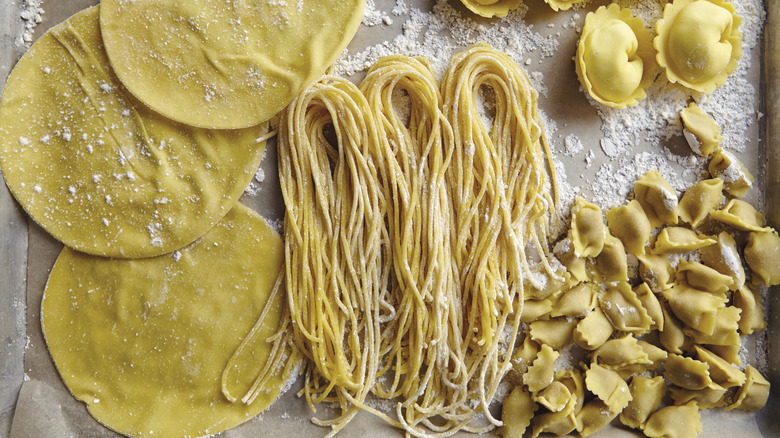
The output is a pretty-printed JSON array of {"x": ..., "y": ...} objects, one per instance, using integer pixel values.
[
  {"x": 409, "y": 243},
  {"x": 502, "y": 203}
]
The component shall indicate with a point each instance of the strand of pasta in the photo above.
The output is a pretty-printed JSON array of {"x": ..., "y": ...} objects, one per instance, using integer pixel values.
[
  {"x": 499, "y": 179},
  {"x": 334, "y": 242},
  {"x": 417, "y": 342}
]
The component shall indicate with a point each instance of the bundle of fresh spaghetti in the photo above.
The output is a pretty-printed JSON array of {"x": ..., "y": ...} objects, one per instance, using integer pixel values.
[
  {"x": 421, "y": 342},
  {"x": 335, "y": 270},
  {"x": 501, "y": 180}
]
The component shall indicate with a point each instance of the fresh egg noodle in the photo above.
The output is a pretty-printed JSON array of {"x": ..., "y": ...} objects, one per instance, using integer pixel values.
[{"x": 412, "y": 231}]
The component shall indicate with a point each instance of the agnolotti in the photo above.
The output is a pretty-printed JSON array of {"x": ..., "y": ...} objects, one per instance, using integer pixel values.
[
  {"x": 740, "y": 215},
  {"x": 699, "y": 200},
  {"x": 699, "y": 43},
  {"x": 657, "y": 198},
  {"x": 630, "y": 224},
  {"x": 587, "y": 229},
  {"x": 736, "y": 178},
  {"x": 762, "y": 254},
  {"x": 701, "y": 132},
  {"x": 615, "y": 57},
  {"x": 491, "y": 8}
]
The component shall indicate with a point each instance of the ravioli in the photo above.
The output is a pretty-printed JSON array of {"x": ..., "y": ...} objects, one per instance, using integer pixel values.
[
  {"x": 100, "y": 171},
  {"x": 227, "y": 65},
  {"x": 615, "y": 57},
  {"x": 491, "y": 8},
  {"x": 144, "y": 342},
  {"x": 699, "y": 43}
]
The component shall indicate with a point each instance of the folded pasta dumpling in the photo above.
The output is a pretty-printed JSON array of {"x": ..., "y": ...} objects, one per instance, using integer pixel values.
[
  {"x": 593, "y": 330},
  {"x": 587, "y": 229},
  {"x": 656, "y": 271},
  {"x": 695, "y": 308},
  {"x": 725, "y": 331},
  {"x": 554, "y": 397},
  {"x": 608, "y": 386},
  {"x": 687, "y": 372},
  {"x": 740, "y": 215},
  {"x": 647, "y": 394},
  {"x": 517, "y": 412},
  {"x": 700, "y": 131},
  {"x": 557, "y": 332},
  {"x": 675, "y": 422},
  {"x": 630, "y": 224},
  {"x": 615, "y": 57},
  {"x": 611, "y": 264},
  {"x": 624, "y": 310},
  {"x": 679, "y": 239},
  {"x": 540, "y": 373},
  {"x": 698, "y": 201},
  {"x": 707, "y": 398},
  {"x": 576, "y": 301},
  {"x": 736, "y": 178},
  {"x": 721, "y": 372},
  {"x": 751, "y": 319},
  {"x": 699, "y": 43},
  {"x": 594, "y": 416},
  {"x": 492, "y": 8},
  {"x": 703, "y": 277},
  {"x": 575, "y": 265},
  {"x": 657, "y": 198},
  {"x": 723, "y": 257},
  {"x": 754, "y": 394},
  {"x": 536, "y": 310},
  {"x": 762, "y": 254},
  {"x": 620, "y": 352},
  {"x": 672, "y": 337},
  {"x": 651, "y": 304},
  {"x": 564, "y": 421}
]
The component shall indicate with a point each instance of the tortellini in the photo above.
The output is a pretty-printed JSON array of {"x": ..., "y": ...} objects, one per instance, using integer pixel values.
[
  {"x": 751, "y": 319},
  {"x": 615, "y": 57},
  {"x": 554, "y": 397},
  {"x": 754, "y": 394},
  {"x": 700, "y": 131},
  {"x": 763, "y": 256},
  {"x": 651, "y": 304},
  {"x": 679, "y": 239},
  {"x": 630, "y": 224},
  {"x": 492, "y": 8},
  {"x": 721, "y": 372},
  {"x": 656, "y": 271},
  {"x": 594, "y": 416},
  {"x": 611, "y": 264},
  {"x": 699, "y": 43},
  {"x": 698, "y": 201},
  {"x": 697, "y": 309},
  {"x": 707, "y": 398},
  {"x": 703, "y": 277},
  {"x": 587, "y": 229},
  {"x": 736, "y": 178},
  {"x": 577, "y": 301},
  {"x": 724, "y": 332},
  {"x": 723, "y": 257},
  {"x": 557, "y": 333},
  {"x": 540, "y": 373},
  {"x": 740, "y": 215},
  {"x": 687, "y": 372},
  {"x": 608, "y": 386},
  {"x": 516, "y": 414},
  {"x": 675, "y": 422},
  {"x": 647, "y": 395},
  {"x": 593, "y": 330},
  {"x": 624, "y": 310},
  {"x": 657, "y": 198}
]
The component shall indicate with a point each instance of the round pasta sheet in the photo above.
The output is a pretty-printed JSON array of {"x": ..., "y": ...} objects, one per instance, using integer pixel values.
[
  {"x": 144, "y": 342},
  {"x": 218, "y": 64},
  {"x": 99, "y": 170}
]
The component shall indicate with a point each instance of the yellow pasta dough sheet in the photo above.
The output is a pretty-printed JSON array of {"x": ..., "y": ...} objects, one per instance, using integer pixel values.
[{"x": 599, "y": 151}]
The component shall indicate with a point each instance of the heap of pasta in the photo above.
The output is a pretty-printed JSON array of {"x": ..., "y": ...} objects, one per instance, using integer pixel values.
[
  {"x": 413, "y": 230},
  {"x": 687, "y": 310}
]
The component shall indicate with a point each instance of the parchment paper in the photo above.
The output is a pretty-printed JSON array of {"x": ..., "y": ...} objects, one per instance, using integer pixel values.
[{"x": 45, "y": 408}]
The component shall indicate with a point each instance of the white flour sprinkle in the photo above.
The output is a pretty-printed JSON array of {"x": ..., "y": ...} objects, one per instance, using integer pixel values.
[{"x": 32, "y": 15}]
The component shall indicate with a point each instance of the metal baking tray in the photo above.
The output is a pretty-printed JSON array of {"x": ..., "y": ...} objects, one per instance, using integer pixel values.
[{"x": 35, "y": 403}]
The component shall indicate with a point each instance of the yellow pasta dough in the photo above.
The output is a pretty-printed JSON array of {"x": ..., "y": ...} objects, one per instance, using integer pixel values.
[
  {"x": 100, "y": 171},
  {"x": 686, "y": 372},
  {"x": 561, "y": 5},
  {"x": 557, "y": 332},
  {"x": 724, "y": 257},
  {"x": 647, "y": 394},
  {"x": 576, "y": 301},
  {"x": 724, "y": 332},
  {"x": 492, "y": 8},
  {"x": 702, "y": 277},
  {"x": 754, "y": 394},
  {"x": 594, "y": 416},
  {"x": 593, "y": 330},
  {"x": 740, "y": 215},
  {"x": 651, "y": 304},
  {"x": 624, "y": 310},
  {"x": 225, "y": 65},
  {"x": 695, "y": 308},
  {"x": 516, "y": 414},
  {"x": 608, "y": 386},
  {"x": 751, "y": 319},
  {"x": 540, "y": 374},
  {"x": 721, "y": 372},
  {"x": 707, "y": 398},
  {"x": 611, "y": 264},
  {"x": 630, "y": 224},
  {"x": 699, "y": 43},
  {"x": 615, "y": 57},
  {"x": 701, "y": 132},
  {"x": 656, "y": 271},
  {"x": 762, "y": 254},
  {"x": 143, "y": 342}
]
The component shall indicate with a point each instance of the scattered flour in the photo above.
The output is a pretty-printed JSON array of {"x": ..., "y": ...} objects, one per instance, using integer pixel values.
[{"x": 32, "y": 15}]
